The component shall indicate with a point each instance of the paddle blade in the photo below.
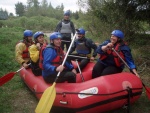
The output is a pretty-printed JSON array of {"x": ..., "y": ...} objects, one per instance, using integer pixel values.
[
  {"x": 46, "y": 100},
  {"x": 6, "y": 78},
  {"x": 147, "y": 92}
]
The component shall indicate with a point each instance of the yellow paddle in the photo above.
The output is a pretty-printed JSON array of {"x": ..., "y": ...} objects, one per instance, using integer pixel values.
[
  {"x": 48, "y": 97},
  {"x": 46, "y": 100}
]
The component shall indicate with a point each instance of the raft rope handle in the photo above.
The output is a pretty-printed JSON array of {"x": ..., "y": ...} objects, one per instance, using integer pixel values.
[
  {"x": 130, "y": 94},
  {"x": 62, "y": 93}
]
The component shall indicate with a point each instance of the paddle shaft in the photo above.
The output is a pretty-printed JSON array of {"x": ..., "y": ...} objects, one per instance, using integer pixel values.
[
  {"x": 78, "y": 56},
  {"x": 147, "y": 89},
  {"x": 22, "y": 68},
  {"x": 80, "y": 71},
  {"x": 66, "y": 55},
  {"x": 121, "y": 58},
  {"x": 9, "y": 76},
  {"x": 49, "y": 94},
  {"x": 65, "y": 41}
]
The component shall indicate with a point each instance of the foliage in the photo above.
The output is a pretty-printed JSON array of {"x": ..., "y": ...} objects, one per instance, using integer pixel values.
[
  {"x": 9, "y": 101},
  {"x": 8, "y": 40},
  {"x": 3, "y": 14},
  {"x": 35, "y": 23},
  {"x": 106, "y": 16},
  {"x": 20, "y": 9},
  {"x": 100, "y": 18}
]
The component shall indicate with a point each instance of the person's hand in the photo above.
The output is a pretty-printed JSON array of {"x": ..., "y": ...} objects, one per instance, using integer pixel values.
[
  {"x": 46, "y": 41},
  {"x": 135, "y": 72},
  {"x": 74, "y": 71},
  {"x": 109, "y": 45},
  {"x": 137, "y": 75},
  {"x": 60, "y": 68},
  {"x": 38, "y": 46},
  {"x": 25, "y": 65},
  {"x": 92, "y": 58}
]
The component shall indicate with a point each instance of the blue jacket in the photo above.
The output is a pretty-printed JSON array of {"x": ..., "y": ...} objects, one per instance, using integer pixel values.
[
  {"x": 48, "y": 55},
  {"x": 125, "y": 50}
]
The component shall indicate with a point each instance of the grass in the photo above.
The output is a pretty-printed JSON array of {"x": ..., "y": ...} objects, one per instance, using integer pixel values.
[{"x": 15, "y": 97}]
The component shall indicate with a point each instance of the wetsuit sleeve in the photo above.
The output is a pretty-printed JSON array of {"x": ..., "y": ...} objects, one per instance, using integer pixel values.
[
  {"x": 93, "y": 46},
  {"x": 34, "y": 53},
  {"x": 69, "y": 65},
  {"x": 58, "y": 27},
  {"x": 20, "y": 47},
  {"x": 48, "y": 55},
  {"x": 128, "y": 57},
  {"x": 99, "y": 48}
]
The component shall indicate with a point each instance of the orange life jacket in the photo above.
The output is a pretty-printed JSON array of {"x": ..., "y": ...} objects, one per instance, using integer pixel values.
[
  {"x": 57, "y": 60},
  {"x": 117, "y": 60}
]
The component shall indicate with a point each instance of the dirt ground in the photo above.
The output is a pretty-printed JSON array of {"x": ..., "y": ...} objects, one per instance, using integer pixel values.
[{"x": 25, "y": 101}]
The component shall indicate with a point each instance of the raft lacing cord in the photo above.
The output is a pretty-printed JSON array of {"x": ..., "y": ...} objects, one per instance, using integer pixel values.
[
  {"x": 63, "y": 93},
  {"x": 129, "y": 90}
]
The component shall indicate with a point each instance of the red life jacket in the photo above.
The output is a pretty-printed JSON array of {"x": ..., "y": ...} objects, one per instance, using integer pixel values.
[
  {"x": 25, "y": 53},
  {"x": 117, "y": 60},
  {"x": 57, "y": 60}
]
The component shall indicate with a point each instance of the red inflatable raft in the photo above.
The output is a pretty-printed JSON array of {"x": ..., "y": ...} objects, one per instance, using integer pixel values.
[{"x": 97, "y": 95}]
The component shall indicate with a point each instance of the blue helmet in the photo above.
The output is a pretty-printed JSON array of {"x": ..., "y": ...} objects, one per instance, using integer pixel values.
[
  {"x": 67, "y": 13},
  {"x": 81, "y": 31},
  {"x": 28, "y": 33},
  {"x": 55, "y": 35},
  {"x": 38, "y": 33},
  {"x": 118, "y": 34}
]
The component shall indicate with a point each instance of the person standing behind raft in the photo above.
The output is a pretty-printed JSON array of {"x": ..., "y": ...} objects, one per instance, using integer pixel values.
[
  {"x": 65, "y": 27},
  {"x": 34, "y": 51},
  {"x": 21, "y": 50},
  {"x": 83, "y": 47},
  {"x": 109, "y": 62},
  {"x": 51, "y": 60}
]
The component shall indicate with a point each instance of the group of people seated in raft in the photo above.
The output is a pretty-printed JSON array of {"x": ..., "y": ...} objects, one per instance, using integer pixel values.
[{"x": 46, "y": 57}]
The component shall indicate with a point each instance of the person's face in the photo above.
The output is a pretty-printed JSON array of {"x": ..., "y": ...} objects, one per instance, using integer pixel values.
[
  {"x": 57, "y": 42},
  {"x": 66, "y": 17},
  {"x": 41, "y": 39},
  {"x": 29, "y": 39},
  {"x": 113, "y": 39},
  {"x": 80, "y": 36}
]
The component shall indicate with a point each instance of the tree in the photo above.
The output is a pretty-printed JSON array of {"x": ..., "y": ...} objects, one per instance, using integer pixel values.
[
  {"x": 44, "y": 8},
  {"x": 125, "y": 15},
  {"x": 3, "y": 14},
  {"x": 76, "y": 15},
  {"x": 20, "y": 9},
  {"x": 36, "y": 4},
  {"x": 32, "y": 8},
  {"x": 29, "y": 3},
  {"x": 11, "y": 14},
  {"x": 44, "y": 4}
]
